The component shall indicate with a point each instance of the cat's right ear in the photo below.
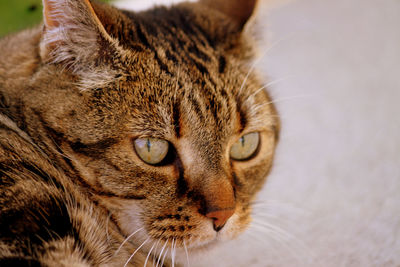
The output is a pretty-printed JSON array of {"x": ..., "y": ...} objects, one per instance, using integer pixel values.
[
  {"x": 74, "y": 36},
  {"x": 239, "y": 11}
]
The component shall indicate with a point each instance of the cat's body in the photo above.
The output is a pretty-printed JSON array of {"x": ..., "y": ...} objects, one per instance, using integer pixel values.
[{"x": 76, "y": 96}]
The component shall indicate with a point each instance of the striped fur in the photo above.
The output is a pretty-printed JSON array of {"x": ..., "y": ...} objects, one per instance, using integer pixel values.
[{"x": 75, "y": 93}]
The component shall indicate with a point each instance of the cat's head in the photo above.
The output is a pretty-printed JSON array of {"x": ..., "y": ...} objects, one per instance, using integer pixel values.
[{"x": 160, "y": 113}]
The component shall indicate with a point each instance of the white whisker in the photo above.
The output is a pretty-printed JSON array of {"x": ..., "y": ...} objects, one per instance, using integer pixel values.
[
  {"x": 267, "y": 85},
  {"x": 278, "y": 204},
  {"x": 133, "y": 254},
  {"x": 187, "y": 254},
  {"x": 126, "y": 239},
  {"x": 155, "y": 250},
  {"x": 286, "y": 98},
  {"x": 165, "y": 254},
  {"x": 148, "y": 254},
  {"x": 254, "y": 109},
  {"x": 247, "y": 75},
  {"x": 294, "y": 240},
  {"x": 275, "y": 236},
  {"x": 263, "y": 54},
  {"x": 276, "y": 81},
  {"x": 275, "y": 228},
  {"x": 260, "y": 238},
  {"x": 173, "y": 251},
  {"x": 161, "y": 252}
]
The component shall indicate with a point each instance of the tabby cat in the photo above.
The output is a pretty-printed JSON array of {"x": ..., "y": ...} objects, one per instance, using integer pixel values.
[{"x": 128, "y": 138}]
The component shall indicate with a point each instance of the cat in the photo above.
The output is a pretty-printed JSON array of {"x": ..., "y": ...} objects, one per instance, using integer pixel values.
[{"x": 130, "y": 138}]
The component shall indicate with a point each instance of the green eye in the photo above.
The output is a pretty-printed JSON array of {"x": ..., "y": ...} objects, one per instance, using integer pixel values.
[
  {"x": 151, "y": 150},
  {"x": 245, "y": 147}
]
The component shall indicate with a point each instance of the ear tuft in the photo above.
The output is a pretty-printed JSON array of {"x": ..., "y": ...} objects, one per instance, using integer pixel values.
[
  {"x": 74, "y": 37},
  {"x": 239, "y": 11}
]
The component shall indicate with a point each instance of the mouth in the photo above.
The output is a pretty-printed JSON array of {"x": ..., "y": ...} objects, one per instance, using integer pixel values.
[{"x": 206, "y": 238}]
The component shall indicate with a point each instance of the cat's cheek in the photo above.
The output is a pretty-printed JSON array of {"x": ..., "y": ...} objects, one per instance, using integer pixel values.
[{"x": 128, "y": 218}]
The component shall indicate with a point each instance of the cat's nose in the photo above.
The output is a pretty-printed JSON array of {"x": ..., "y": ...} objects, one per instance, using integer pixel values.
[
  {"x": 218, "y": 201},
  {"x": 220, "y": 217}
]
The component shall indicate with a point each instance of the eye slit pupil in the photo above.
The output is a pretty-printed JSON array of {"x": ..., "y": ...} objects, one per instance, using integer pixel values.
[
  {"x": 148, "y": 145},
  {"x": 245, "y": 147},
  {"x": 242, "y": 140},
  {"x": 154, "y": 151}
]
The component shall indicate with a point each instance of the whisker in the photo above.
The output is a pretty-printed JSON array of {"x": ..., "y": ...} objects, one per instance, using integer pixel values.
[
  {"x": 275, "y": 236},
  {"x": 255, "y": 108},
  {"x": 295, "y": 241},
  {"x": 255, "y": 93},
  {"x": 155, "y": 249},
  {"x": 263, "y": 54},
  {"x": 161, "y": 252},
  {"x": 248, "y": 74},
  {"x": 165, "y": 254},
  {"x": 148, "y": 254},
  {"x": 187, "y": 254},
  {"x": 173, "y": 252},
  {"x": 176, "y": 241},
  {"x": 268, "y": 85},
  {"x": 275, "y": 228},
  {"x": 133, "y": 254},
  {"x": 268, "y": 216},
  {"x": 175, "y": 249},
  {"x": 126, "y": 239},
  {"x": 276, "y": 81},
  {"x": 271, "y": 204},
  {"x": 259, "y": 238},
  {"x": 286, "y": 98}
]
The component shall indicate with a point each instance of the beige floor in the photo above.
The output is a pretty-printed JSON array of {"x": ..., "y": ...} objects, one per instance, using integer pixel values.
[{"x": 334, "y": 193}]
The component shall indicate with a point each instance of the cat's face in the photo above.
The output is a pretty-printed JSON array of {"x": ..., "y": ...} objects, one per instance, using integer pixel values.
[
  {"x": 171, "y": 199},
  {"x": 179, "y": 141}
]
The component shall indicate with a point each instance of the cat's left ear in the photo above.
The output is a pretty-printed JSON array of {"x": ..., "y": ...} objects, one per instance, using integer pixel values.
[
  {"x": 74, "y": 37},
  {"x": 239, "y": 11}
]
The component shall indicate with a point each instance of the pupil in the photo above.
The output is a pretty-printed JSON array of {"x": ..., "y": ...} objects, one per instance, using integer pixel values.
[
  {"x": 148, "y": 145},
  {"x": 242, "y": 140}
]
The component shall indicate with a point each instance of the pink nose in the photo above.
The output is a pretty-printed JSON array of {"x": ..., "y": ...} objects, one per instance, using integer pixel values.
[{"x": 220, "y": 217}]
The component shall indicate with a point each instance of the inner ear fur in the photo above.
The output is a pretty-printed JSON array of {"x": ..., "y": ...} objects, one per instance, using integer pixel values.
[
  {"x": 70, "y": 20},
  {"x": 239, "y": 11},
  {"x": 74, "y": 37}
]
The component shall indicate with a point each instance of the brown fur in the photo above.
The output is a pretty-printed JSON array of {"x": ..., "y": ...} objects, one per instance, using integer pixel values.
[{"x": 75, "y": 97}]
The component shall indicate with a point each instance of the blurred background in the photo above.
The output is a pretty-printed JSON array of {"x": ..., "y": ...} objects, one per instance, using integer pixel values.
[
  {"x": 333, "y": 197},
  {"x": 19, "y": 14},
  {"x": 16, "y": 15}
]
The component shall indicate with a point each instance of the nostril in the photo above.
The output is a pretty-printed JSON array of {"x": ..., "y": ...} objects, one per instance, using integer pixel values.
[
  {"x": 217, "y": 228},
  {"x": 220, "y": 217}
]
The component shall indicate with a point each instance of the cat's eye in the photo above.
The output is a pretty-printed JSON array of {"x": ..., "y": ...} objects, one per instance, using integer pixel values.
[
  {"x": 151, "y": 150},
  {"x": 245, "y": 147}
]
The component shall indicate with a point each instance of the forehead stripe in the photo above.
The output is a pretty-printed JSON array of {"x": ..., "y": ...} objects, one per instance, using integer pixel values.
[{"x": 176, "y": 118}]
